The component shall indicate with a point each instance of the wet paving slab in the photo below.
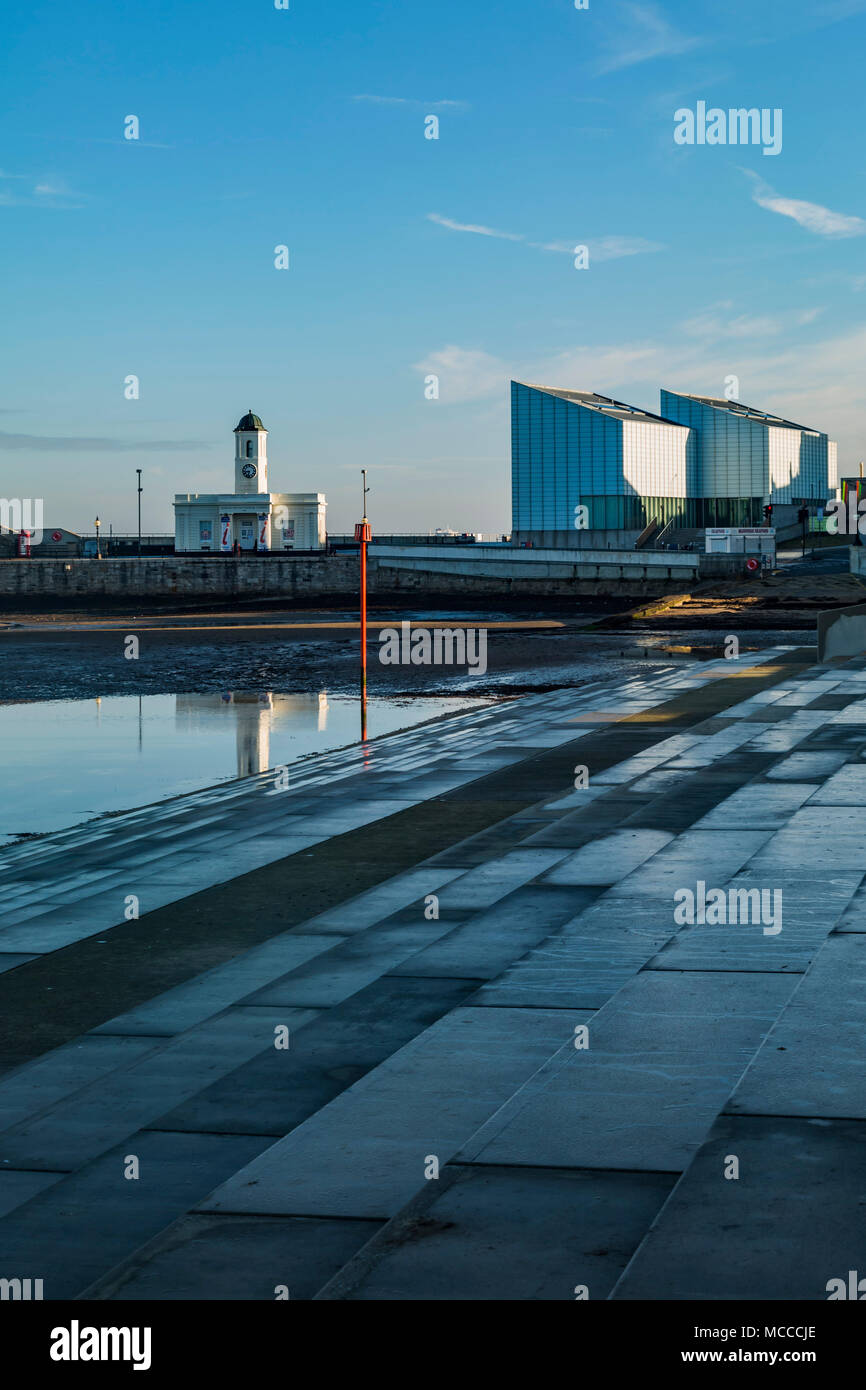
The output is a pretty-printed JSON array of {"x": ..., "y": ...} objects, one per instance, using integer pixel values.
[
  {"x": 662, "y": 1057},
  {"x": 783, "y": 1228}
]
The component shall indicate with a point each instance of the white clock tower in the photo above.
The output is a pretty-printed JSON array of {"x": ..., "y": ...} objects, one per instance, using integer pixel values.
[
  {"x": 251, "y": 455},
  {"x": 251, "y": 518}
]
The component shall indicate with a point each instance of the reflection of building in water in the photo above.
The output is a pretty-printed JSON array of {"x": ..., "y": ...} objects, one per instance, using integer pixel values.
[{"x": 255, "y": 716}]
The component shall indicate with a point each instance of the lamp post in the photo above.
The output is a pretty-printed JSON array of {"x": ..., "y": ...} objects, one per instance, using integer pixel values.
[
  {"x": 138, "y": 471},
  {"x": 96, "y": 524},
  {"x": 362, "y": 535}
]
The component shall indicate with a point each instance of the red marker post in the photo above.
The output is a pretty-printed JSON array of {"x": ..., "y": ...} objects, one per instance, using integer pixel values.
[{"x": 362, "y": 536}]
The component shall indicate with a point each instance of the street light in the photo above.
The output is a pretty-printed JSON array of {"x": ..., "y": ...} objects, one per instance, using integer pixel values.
[
  {"x": 96, "y": 524},
  {"x": 138, "y": 471}
]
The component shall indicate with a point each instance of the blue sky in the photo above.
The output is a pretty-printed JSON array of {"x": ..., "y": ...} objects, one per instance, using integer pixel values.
[{"x": 261, "y": 127}]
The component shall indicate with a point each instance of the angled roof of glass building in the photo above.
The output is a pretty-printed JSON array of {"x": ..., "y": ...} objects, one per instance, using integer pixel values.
[
  {"x": 593, "y": 401},
  {"x": 747, "y": 412}
]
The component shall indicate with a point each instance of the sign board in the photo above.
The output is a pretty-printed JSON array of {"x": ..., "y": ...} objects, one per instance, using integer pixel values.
[
  {"x": 740, "y": 540},
  {"x": 741, "y": 530}
]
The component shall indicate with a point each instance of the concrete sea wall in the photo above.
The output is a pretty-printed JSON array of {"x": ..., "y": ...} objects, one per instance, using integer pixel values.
[
  {"x": 392, "y": 571},
  {"x": 216, "y": 577}
]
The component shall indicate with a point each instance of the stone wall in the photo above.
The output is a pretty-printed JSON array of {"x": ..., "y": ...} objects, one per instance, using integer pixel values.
[
  {"x": 216, "y": 577},
  {"x": 41, "y": 583}
]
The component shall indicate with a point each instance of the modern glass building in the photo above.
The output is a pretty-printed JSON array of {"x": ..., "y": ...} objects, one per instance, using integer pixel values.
[
  {"x": 576, "y": 448},
  {"x": 749, "y": 456},
  {"x": 702, "y": 462}
]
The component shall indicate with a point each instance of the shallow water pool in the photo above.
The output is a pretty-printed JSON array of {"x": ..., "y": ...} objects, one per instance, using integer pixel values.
[{"x": 64, "y": 761}]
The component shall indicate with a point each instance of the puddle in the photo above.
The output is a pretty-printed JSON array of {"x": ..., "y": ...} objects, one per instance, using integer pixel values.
[{"x": 65, "y": 761}]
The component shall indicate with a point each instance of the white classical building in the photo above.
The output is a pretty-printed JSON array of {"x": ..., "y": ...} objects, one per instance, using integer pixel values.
[{"x": 250, "y": 517}]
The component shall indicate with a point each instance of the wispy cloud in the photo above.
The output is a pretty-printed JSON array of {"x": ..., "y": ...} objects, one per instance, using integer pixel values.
[
  {"x": 473, "y": 227},
  {"x": 815, "y": 218},
  {"x": 50, "y": 443},
  {"x": 46, "y": 191},
  {"x": 850, "y": 281},
  {"x": 715, "y": 326},
  {"x": 466, "y": 374},
  {"x": 413, "y": 101},
  {"x": 53, "y": 189},
  {"x": 641, "y": 32},
  {"x": 119, "y": 140},
  {"x": 606, "y": 248},
  {"x": 742, "y": 326},
  {"x": 821, "y": 383}
]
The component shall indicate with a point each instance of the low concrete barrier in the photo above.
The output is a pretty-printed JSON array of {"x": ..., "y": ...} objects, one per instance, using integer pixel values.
[
  {"x": 546, "y": 570},
  {"x": 418, "y": 571},
  {"x": 842, "y": 632}
]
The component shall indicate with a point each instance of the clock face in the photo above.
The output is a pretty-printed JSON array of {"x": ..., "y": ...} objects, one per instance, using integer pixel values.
[{"x": 249, "y": 470}]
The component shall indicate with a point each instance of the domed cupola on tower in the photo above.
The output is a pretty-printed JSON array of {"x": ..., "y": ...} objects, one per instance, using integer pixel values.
[{"x": 251, "y": 455}]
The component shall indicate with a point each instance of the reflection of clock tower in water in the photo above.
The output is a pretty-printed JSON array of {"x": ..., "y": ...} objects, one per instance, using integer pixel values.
[{"x": 251, "y": 455}]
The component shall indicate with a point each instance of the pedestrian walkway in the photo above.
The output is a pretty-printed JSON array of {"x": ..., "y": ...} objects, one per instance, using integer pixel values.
[{"x": 425, "y": 1026}]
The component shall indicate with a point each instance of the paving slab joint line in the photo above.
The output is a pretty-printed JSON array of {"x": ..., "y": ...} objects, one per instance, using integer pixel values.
[
  {"x": 112, "y": 1280},
  {"x": 355, "y": 1270},
  {"x": 516, "y": 1102},
  {"x": 656, "y": 1221}
]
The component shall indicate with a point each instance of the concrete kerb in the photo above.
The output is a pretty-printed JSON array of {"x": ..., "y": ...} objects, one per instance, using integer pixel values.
[{"x": 841, "y": 633}]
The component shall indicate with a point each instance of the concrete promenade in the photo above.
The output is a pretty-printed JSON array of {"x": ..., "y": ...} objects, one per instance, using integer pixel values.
[{"x": 434, "y": 919}]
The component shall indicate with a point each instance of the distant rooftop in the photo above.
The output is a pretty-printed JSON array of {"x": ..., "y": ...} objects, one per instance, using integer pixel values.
[
  {"x": 605, "y": 405},
  {"x": 748, "y": 412}
]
